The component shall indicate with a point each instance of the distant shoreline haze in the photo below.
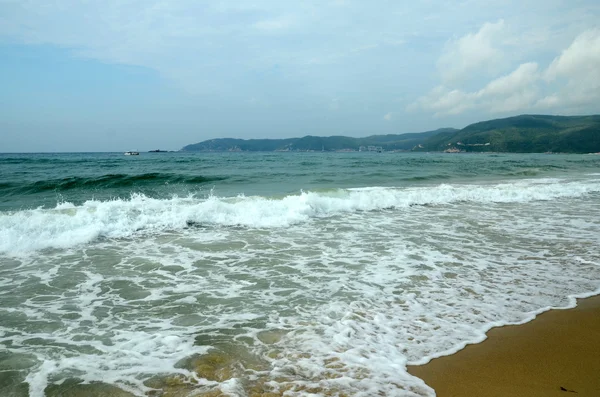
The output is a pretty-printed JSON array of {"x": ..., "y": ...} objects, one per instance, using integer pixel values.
[{"x": 519, "y": 134}]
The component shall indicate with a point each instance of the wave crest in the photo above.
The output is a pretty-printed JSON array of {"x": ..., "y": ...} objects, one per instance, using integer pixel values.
[
  {"x": 107, "y": 181},
  {"x": 68, "y": 225}
]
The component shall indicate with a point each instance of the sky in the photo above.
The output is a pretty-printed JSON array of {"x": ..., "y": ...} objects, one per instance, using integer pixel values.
[{"x": 118, "y": 75}]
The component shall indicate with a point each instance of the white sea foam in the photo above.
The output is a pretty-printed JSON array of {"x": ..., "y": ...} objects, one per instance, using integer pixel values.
[
  {"x": 372, "y": 291},
  {"x": 68, "y": 225},
  {"x": 322, "y": 301}
]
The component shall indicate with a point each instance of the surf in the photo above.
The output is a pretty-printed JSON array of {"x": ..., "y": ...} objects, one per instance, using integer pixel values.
[{"x": 67, "y": 225}]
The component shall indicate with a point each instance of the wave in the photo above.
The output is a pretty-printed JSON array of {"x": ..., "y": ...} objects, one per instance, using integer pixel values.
[
  {"x": 34, "y": 159},
  {"x": 107, "y": 181},
  {"x": 421, "y": 178},
  {"x": 68, "y": 225}
]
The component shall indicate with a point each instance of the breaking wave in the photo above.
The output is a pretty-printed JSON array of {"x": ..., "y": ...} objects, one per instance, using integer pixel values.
[{"x": 68, "y": 225}]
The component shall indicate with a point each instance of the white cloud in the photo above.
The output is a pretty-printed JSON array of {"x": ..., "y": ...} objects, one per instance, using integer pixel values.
[
  {"x": 508, "y": 93},
  {"x": 525, "y": 75},
  {"x": 549, "y": 101},
  {"x": 581, "y": 58},
  {"x": 473, "y": 52},
  {"x": 513, "y": 92},
  {"x": 273, "y": 24},
  {"x": 575, "y": 73},
  {"x": 388, "y": 116},
  {"x": 217, "y": 48},
  {"x": 571, "y": 83},
  {"x": 443, "y": 101}
]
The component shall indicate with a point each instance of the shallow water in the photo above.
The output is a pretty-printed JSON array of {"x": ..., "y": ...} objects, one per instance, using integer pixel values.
[{"x": 284, "y": 273}]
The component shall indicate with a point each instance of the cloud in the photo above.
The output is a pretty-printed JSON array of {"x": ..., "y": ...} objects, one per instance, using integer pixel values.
[
  {"x": 515, "y": 91},
  {"x": 472, "y": 52},
  {"x": 582, "y": 57},
  {"x": 274, "y": 24},
  {"x": 507, "y": 93},
  {"x": 575, "y": 73},
  {"x": 218, "y": 48},
  {"x": 388, "y": 116},
  {"x": 571, "y": 82}
]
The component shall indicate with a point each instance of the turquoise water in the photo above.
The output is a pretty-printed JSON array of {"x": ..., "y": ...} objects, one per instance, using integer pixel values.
[
  {"x": 31, "y": 180},
  {"x": 251, "y": 273}
]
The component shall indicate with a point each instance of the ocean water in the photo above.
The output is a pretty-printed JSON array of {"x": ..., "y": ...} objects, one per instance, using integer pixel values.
[{"x": 268, "y": 274}]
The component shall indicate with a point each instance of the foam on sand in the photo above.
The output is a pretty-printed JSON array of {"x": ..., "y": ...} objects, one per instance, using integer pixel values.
[{"x": 554, "y": 355}]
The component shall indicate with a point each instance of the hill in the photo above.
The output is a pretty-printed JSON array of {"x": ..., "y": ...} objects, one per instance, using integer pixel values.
[
  {"x": 316, "y": 143},
  {"x": 519, "y": 134},
  {"x": 523, "y": 134}
]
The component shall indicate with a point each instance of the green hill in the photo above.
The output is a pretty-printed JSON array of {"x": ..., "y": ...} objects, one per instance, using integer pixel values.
[
  {"x": 519, "y": 134},
  {"x": 316, "y": 143},
  {"x": 523, "y": 134}
]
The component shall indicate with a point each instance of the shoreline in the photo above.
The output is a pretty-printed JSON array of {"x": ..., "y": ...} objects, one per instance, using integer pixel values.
[{"x": 555, "y": 354}]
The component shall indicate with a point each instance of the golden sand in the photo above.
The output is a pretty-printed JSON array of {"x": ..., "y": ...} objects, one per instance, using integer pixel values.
[{"x": 557, "y": 354}]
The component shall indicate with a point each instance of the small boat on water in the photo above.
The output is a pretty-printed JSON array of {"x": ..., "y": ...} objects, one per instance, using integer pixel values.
[{"x": 131, "y": 153}]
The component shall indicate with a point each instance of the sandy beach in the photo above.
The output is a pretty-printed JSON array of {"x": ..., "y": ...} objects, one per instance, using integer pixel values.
[{"x": 557, "y": 354}]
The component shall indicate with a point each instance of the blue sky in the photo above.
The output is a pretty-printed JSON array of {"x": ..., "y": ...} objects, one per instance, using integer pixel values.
[{"x": 143, "y": 74}]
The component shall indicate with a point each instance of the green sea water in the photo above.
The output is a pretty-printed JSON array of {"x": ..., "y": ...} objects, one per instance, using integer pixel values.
[
  {"x": 31, "y": 180},
  {"x": 175, "y": 274}
]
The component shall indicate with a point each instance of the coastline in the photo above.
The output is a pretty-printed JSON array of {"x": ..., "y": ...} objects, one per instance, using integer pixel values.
[{"x": 556, "y": 354}]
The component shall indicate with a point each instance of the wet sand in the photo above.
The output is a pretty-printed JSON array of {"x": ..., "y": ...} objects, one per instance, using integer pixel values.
[{"x": 557, "y": 354}]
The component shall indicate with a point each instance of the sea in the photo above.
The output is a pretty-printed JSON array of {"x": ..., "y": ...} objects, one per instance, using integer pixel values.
[{"x": 278, "y": 274}]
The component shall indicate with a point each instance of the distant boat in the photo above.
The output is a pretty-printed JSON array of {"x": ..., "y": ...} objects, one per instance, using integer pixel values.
[
  {"x": 157, "y": 151},
  {"x": 131, "y": 153}
]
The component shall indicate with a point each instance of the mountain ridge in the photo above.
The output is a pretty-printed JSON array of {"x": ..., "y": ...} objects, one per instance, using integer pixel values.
[
  {"x": 526, "y": 133},
  {"x": 315, "y": 143}
]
